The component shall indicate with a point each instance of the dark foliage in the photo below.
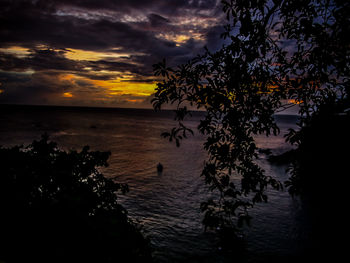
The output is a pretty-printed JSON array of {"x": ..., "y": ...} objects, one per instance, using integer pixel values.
[
  {"x": 319, "y": 174},
  {"x": 57, "y": 207},
  {"x": 320, "y": 160},
  {"x": 280, "y": 53}
]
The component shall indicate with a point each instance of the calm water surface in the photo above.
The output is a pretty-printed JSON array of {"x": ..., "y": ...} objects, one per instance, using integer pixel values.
[{"x": 167, "y": 204}]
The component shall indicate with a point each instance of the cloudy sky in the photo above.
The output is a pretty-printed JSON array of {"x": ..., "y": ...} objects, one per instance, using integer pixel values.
[{"x": 97, "y": 52}]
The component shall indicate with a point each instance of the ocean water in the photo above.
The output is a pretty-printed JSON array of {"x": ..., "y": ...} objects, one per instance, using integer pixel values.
[{"x": 167, "y": 204}]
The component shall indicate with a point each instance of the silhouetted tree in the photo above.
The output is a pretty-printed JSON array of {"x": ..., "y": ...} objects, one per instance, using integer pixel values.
[
  {"x": 57, "y": 207},
  {"x": 278, "y": 53}
]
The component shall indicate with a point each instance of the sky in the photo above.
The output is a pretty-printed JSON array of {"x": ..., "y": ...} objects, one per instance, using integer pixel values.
[{"x": 98, "y": 52}]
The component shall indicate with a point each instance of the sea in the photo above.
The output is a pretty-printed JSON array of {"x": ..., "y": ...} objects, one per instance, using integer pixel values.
[{"x": 167, "y": 205}]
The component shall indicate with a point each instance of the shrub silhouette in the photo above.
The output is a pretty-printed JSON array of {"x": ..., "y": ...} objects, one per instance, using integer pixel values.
[
  {"x": 277, "y": 54},
  {"x": 57, "y": 207}
]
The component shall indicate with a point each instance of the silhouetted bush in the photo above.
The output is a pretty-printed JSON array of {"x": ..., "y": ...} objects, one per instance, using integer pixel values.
[
  {"x": 277, "y": 54},
  {"x": 319, "y": 175},
  {"x": 320, "y": 161},
  {"x": 57, "y": 207}
]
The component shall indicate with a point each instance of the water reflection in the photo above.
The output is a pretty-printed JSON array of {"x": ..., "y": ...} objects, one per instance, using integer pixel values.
[{"x": 166, "y": 203}]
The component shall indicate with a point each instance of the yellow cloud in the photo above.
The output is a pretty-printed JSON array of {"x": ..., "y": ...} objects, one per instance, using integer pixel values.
[
  {"x": 115, "y": 87},
  {"x": 105, "y": 89},
  {"x": 180, "y": 38},
  {"x": 19, "y": 52},
  {"x": 79, "y": 54}
]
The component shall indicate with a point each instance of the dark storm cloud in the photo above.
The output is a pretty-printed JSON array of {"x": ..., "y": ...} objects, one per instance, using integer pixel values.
[
  {"x": 49, "y": 59},
  {"x": 35, "y": 88},
  {"x": 9, "y": 62},
  {"x": 138, "y": 28},
  {"x": 157, "y": 20},
  {"x": 39, "y": 22},
  {"x": 43, "y": 87},
  {"x": 11, "y": 77},
  {"x": 163, "y": 6},
  {"x": 29, "y": 30},
  {"x": 38, "y": 60},
  {"x": 31, "y": 27}
]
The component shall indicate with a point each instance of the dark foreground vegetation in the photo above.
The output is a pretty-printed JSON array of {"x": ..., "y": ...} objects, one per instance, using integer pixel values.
[
  {"x": 319, "y": 174},
  {"x": 277, "y": 54},
  {"x": 57, "y": 207}
]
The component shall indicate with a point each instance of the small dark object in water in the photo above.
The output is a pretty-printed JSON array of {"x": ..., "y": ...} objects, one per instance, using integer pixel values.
[
  {"x": 159, "y": 167},
  {"x": 93, "y": 127}
]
